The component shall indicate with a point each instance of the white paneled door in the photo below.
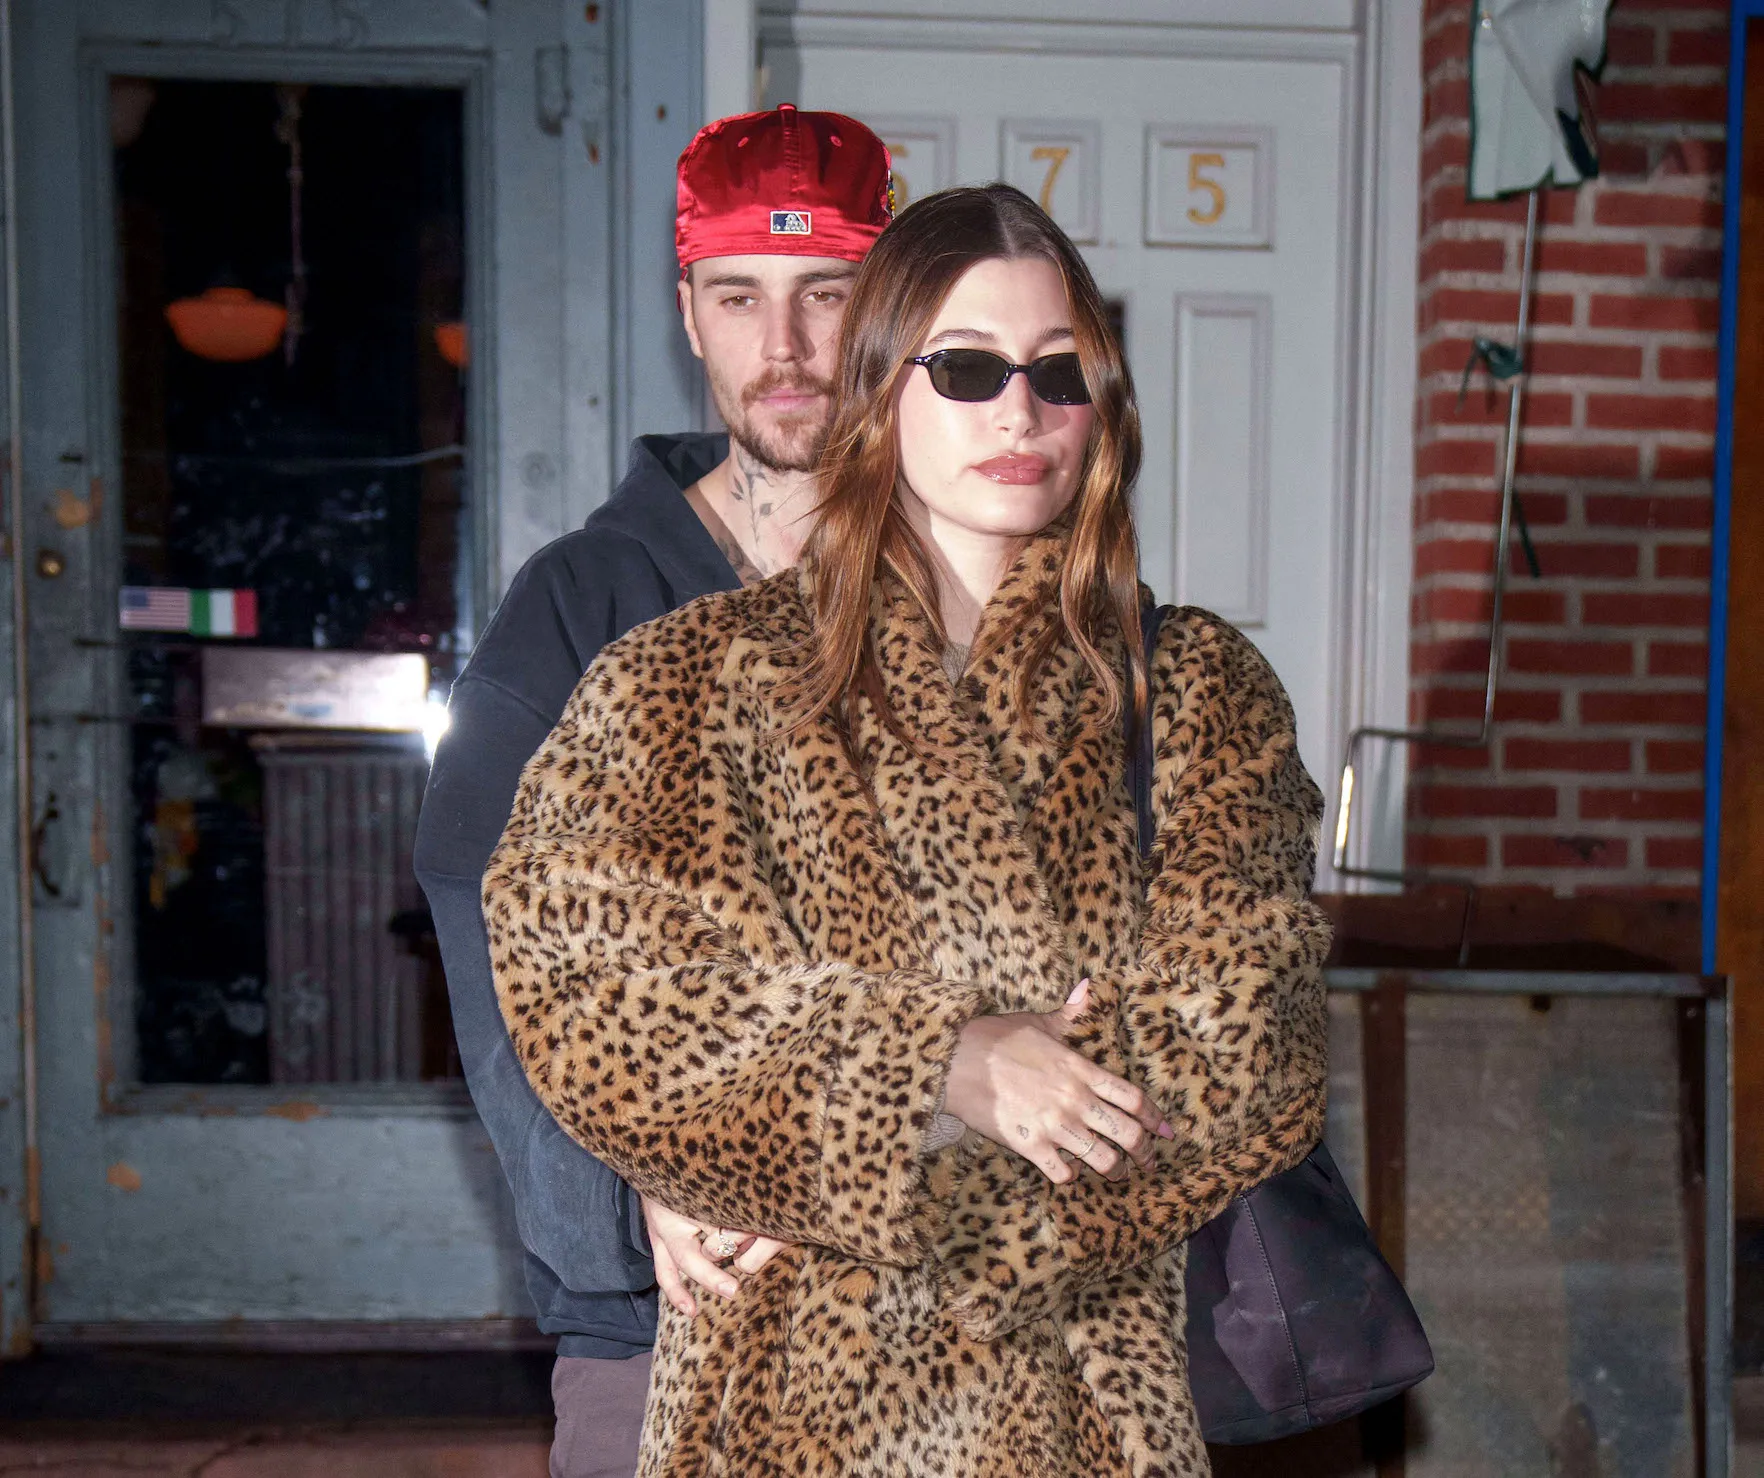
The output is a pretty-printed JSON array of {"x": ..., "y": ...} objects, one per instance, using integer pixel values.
[{"x": 1205, "y": 181}]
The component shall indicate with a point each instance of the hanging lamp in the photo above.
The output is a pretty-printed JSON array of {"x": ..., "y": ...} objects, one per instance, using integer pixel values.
[
  {"x": 230, "y": 325},
  {"x": 227, "y": 324},
  {"x": 450, "y": 339}
]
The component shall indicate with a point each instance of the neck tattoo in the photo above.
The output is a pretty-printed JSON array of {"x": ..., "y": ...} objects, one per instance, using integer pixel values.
[
  {"x": 753, "y": 489},
  {"x": 764, "y": 500},
  {"x": 746, "y": 571}
]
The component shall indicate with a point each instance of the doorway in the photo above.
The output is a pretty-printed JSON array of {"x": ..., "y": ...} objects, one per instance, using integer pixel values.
[
  {"x": 258, "y": 351},
  {"x": 295, "y": 524},
  {"x": 1215, "y": 183}
]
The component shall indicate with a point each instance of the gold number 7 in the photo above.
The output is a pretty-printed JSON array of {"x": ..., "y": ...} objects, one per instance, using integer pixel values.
[
  {"x": 1212, "y": 189},
  {"x": 1055, "y": 155}
]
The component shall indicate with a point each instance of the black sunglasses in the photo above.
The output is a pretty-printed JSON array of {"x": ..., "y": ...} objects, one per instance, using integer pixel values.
[{"x": 979, "y": 374}]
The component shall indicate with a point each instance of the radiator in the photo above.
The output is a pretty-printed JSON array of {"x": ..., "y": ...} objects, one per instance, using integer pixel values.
[{"x": 345, "y": 993}]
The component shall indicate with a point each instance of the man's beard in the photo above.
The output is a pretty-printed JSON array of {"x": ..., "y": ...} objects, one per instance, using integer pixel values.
[{"x": 789, "y": 443}]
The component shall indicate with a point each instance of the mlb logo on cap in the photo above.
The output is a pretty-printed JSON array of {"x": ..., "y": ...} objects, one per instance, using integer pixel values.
[{"x": 791, "y": 223}]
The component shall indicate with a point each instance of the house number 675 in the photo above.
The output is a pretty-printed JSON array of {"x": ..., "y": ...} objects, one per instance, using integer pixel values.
[{"x": 1199, "y": 184}]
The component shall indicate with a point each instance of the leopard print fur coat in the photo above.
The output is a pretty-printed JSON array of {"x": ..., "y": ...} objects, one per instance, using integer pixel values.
[{"x": 735, "y": 970}]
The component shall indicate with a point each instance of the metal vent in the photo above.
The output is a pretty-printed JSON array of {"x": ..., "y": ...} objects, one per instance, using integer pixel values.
[{"x": 344, "y": 992}]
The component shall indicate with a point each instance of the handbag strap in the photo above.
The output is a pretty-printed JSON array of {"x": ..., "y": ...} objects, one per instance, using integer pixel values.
[{"x": 1139, "y": 737}]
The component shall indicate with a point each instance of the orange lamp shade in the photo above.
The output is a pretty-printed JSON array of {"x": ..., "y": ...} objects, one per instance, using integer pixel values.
[
  {"x": 227, "y": 324},
  {"x": 450, "y": 339}
]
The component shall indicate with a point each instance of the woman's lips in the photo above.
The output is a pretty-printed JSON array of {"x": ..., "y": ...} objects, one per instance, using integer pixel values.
[{"x": 1013, "y": 467}]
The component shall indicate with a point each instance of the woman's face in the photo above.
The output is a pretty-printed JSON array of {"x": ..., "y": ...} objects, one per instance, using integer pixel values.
[{"x": 1003, "y": 468}]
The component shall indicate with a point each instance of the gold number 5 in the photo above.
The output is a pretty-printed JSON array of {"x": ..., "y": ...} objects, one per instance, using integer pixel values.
[
  {"x": 1055, "y": 155},
  {"x": 1212, "y": 189}
]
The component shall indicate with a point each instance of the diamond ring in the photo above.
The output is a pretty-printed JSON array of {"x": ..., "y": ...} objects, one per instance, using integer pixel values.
[{"x": 722, "y": 1246}]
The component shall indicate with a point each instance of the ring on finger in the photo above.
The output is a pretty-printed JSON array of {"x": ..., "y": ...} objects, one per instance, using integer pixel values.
[
  {"x": 721, "y": 1246},
  {"x": 1089, "y": 1145}
]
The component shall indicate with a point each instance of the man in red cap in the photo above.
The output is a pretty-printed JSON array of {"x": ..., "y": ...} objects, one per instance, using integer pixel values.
[{"x": 775, "y": 209}]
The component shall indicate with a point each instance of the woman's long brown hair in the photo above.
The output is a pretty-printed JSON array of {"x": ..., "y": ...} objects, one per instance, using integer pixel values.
[{"x": 861, "y": 526}]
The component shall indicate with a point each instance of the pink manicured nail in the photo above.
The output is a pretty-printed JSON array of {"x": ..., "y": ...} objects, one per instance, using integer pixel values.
[{"x": 1164, "y": 1129}]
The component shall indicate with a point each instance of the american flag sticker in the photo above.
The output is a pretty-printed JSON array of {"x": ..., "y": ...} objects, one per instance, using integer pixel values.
[
  {"x": 792, "y": 223},
  {"x": 154, "y": 608},
  {"x": 199, "y": 612}
]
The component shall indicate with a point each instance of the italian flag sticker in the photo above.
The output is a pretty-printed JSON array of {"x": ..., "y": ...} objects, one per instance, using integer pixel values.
[{"x": 223, "y": 612}]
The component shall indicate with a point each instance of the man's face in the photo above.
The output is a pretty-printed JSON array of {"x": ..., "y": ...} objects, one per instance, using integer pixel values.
[{"x": 767, "y": 329}]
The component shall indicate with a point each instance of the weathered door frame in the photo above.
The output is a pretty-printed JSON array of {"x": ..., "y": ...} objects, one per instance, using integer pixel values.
[
  {"x": 18, "y": 1180},
  {"x": 571, "y": 382}
]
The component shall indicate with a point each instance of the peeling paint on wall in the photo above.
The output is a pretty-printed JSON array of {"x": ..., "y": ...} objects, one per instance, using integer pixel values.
[
  {"x": 101, "y": 978},
  {"x": 71, "y": 511},
  {"x": 124, "y": 1177},
  {"x": 100, "y": 836}
]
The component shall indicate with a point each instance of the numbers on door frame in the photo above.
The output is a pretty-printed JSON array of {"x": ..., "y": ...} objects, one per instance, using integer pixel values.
[
  {"x": 1054, "y": 162},
  {"x": 1199, "y": 184},
  {"x": 1054, "y": 156},
  {"x": 900, "y": 194},
  {"x": 1209, "y": 185}
]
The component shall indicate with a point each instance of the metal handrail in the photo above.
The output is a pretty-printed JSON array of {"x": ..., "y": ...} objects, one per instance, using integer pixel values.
[{"x": 1457, "y": 738}]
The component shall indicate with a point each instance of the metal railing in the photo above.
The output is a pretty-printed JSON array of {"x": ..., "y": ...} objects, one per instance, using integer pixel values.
[{"x": 1514, "y": 367}]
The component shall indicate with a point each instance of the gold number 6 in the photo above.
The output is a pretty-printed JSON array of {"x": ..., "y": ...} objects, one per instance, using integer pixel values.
[
  {"x": 902, "y": 193},
  {"x": 1197, "y": 182},
  {"x": 1055, "y": 155}
]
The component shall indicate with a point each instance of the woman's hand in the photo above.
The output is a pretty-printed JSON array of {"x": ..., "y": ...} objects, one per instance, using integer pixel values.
[
  {"x": 685, "y": 1249},
  {"x": 1014, "y": 1080}
]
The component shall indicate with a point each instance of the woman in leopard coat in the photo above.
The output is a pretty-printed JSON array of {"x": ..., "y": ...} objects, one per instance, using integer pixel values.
[{"x": 820, "y": 917}]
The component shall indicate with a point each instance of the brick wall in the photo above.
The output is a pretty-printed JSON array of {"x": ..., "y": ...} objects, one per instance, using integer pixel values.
[{"x": 1594, "y": 778}]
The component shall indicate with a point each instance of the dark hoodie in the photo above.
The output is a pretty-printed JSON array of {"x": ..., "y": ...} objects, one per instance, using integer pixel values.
[{"x": 639, "y": 556}]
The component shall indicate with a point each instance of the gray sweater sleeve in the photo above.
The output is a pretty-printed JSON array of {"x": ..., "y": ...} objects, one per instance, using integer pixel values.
[{"x": 574, "y": 1214}]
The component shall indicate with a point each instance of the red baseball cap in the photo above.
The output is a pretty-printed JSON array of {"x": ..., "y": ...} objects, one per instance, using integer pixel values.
[{"x": 782, "y": 183}]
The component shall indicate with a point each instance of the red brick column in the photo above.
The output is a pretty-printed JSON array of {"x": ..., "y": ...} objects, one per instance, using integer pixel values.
[{"x": 1594, "y": 778}]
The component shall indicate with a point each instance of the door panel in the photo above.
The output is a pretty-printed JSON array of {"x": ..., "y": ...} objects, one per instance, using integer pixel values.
[
  {"x": 315, "y": 1164},
  {"x": 1206, "y": 193}
]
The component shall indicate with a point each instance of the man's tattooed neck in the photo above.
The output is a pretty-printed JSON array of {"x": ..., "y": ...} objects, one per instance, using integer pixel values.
[
  {"x": 746, "y": 571},
  {"x": 761, "y": 494},
  {"x": 751, "y": 487}
]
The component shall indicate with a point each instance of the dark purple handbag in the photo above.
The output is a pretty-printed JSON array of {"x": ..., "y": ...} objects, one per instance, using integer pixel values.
[{"x": 1295, "y": 1320}]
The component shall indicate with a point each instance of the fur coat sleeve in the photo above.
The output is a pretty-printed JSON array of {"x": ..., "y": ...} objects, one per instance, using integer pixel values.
[
  {"x": 665, "y": 1012},
  {"x": 1221, "y": 1018}
]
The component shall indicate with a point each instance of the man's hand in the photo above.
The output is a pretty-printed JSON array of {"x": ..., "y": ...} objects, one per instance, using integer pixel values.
[{"x": 688, "y": 1251}]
